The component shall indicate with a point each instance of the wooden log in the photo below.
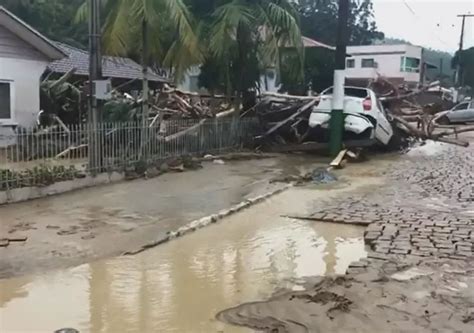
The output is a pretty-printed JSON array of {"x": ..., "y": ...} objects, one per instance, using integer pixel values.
[
  {"x": 290, "y": 118},
  {"x": 188, "y": 130},
  {"x": 70, "y": 149},
  {"x": 337, "y": 162},
  {"x": 290, "y": 97},
  {"x": 225, "y": 113}
]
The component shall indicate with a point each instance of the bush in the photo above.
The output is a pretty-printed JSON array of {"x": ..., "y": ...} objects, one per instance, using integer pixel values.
[{"x": 38, "y": 176}]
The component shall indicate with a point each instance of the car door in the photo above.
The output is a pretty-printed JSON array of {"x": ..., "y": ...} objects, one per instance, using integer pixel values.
[
  {"x": 470, "y": 113},
  {"x": 459, "y": 113},
  {"x": 383, "y": 130}
]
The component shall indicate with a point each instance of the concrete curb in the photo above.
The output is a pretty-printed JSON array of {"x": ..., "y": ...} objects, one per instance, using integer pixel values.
[
  {"x": 30, "y": 193},
  {"x": 207, "y": 220}
]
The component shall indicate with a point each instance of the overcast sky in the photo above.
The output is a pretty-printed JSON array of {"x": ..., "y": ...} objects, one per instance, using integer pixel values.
[{"x": 429, "y": 23}]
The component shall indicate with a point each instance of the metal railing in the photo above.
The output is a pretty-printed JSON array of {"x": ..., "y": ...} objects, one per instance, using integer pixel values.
[{"x": 41, "y": 156}]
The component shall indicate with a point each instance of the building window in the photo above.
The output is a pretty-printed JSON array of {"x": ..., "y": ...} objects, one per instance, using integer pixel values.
[
  {"x": 5, "y": 100},
  {"x": 350, "y": 63},
  {"x": 410, "y": 65},
  {"x": 368, "y": 63}
]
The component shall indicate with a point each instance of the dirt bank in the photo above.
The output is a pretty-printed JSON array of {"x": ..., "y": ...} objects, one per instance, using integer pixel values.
[{"x": 413, "y": 296}]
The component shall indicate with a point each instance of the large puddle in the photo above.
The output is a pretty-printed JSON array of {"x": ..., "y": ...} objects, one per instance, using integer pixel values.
[{"x": 181, "y": 285}]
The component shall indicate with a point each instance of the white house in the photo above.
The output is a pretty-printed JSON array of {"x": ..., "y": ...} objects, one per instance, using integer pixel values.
[
  {"x": 24, "y": 56},
  {"x": 401, "y": 64}
]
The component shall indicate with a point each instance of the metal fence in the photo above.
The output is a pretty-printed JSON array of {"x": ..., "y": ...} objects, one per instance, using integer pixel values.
[{"x": 42, "y": 156}]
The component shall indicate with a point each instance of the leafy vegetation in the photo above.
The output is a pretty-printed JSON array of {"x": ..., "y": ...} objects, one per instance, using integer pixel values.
[
  {"x": 242, "y": 39},
  {"x": 466, "y": 59},
  {"x": 53, "y": 18},
  {"x": 42, "y": 175},
  {"x": 319, "y": 21}
]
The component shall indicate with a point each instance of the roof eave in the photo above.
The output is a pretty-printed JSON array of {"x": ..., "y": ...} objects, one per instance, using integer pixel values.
[{"x": 30, "y": 35}]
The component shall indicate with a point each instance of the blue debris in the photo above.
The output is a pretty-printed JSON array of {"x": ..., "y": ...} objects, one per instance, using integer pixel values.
[{"x": 323, "y": 176}]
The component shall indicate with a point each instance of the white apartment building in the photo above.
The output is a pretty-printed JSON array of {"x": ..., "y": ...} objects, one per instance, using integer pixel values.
[{"x": 401, "y": 64}]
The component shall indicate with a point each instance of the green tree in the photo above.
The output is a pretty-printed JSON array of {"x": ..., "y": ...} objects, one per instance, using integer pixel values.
[
  {"x": 53, "y": 18},
  {"x": 163, "y": 29},
  {"x": 319, "y": 20},
  {"x": 243, "y": 38},
  {"x": 466, "y": 59}
]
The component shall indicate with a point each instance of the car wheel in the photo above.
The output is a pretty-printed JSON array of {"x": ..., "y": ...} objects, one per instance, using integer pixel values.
[{"x": 444, "y": 120}]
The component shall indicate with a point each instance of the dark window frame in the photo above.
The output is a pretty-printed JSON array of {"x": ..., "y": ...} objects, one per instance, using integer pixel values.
[
  {"x": 350, "y": 63},
  {"x": 364, "y": 63},
  {"x": 9, "y": 110}
]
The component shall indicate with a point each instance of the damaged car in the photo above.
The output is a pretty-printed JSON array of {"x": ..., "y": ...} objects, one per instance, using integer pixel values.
[{"x": 364, "y": 116}]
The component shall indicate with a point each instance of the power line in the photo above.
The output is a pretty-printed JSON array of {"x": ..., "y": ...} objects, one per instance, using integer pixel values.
[
  {"x": 409, "y": 8},
  {"x": 413, "y": 12}
]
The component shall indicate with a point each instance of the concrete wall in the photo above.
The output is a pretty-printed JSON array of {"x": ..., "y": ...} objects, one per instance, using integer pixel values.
[
  {"x": 30, "y": 193},
  {"x": 388, "y": 59},
  {"x": 24, "y": 76}
]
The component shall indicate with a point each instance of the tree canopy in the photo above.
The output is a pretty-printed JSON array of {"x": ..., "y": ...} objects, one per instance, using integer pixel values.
[
  {"x": 243, "y": 38},
  {"x": 466, "y": 59},
  {"x": 319, "y": 21},
  {"x": 53, "y": 18}
]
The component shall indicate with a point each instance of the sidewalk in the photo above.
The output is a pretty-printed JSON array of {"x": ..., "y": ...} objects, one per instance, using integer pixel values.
[{"x": 85, "y": 225}]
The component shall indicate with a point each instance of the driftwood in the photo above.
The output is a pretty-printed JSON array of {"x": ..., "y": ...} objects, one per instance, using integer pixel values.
[
  {"x": 291, "y": 118},
  {"x": 421, "y": 122},
  {"x": 188, "y": 130},
  {"x": 70, "y": 149},
  {"x": 290, "y": 97}
]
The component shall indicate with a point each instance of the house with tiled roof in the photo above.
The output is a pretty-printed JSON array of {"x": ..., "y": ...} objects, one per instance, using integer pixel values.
[
  {"x": 24, "y": 56},
  {"x": 115, "y": 68}
]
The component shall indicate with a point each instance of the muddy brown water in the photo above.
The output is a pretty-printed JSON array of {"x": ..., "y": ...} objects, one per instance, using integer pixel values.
[{"x": 181, "y": 285}]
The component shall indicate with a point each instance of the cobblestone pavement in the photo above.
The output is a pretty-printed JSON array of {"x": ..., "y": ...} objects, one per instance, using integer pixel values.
[{"x": 425, "y": 209}]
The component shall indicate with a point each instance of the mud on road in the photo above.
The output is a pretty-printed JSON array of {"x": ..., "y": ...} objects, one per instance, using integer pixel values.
[
  {"x": 412, "y": 296},
  {"x": 94, "y": 223}
]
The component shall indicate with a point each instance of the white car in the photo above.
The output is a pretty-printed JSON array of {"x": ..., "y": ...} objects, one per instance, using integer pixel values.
[{"x": 365, "y": 117}]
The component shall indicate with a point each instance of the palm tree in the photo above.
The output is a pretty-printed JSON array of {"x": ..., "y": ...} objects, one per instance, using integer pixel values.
[
  {"x": 247, "y": 37},
  {"x": 162, "y": 29}
]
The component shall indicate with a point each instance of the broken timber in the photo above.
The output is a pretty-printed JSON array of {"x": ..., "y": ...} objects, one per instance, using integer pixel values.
[{"x": 290, "y": 118}]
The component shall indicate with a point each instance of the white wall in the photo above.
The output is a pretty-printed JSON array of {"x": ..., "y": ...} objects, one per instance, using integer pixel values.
[
  {"x": 25, "y": 77},
  {"x": 388, "y": 58},
  {"x": 267, "y": 84}
]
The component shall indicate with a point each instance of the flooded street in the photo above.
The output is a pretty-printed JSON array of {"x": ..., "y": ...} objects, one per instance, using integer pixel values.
[{"x": 181, "y": 285}]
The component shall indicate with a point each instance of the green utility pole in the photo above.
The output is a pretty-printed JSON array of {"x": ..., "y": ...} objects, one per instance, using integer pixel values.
[{"x": 337, "y": 113}]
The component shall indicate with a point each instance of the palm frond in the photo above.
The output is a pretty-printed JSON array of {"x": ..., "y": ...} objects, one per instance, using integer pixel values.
[
  {"x": 120, "y": 27},
  {"x": 181, "y": 18},
  {"x": 224, "y": 30}
]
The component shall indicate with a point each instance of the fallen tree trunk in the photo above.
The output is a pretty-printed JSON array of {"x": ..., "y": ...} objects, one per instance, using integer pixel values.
[
  {"x": 188, "y": 130},
  {"x": 290, "y": 118},
  {"x": 426, "y": 133},
  {"x": 293, "y": 97}
]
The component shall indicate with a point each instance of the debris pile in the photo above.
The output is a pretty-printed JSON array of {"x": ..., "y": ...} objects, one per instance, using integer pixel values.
[
  {"x": 285, "y": 118},
  {"x": 423, "y": 122}
]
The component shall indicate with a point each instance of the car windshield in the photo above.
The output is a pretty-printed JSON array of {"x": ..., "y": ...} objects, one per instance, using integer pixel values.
[{"x": 352, "y": 92}]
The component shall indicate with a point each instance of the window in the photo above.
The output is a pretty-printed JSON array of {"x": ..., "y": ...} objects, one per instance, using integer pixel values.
[
  {"x": 410, "y": 65},
  {"x": 350, "y": 63},
  {"x": 368, "y": 63},
  {"x": 462, "y": 106},
  {"x": 5, "y": 101},
  {"x": 194, "y": 83},
  {"x": 352, "y": 92}
]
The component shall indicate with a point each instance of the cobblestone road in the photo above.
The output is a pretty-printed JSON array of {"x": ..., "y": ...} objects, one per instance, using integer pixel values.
[{"x": 425, "y": 209}]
